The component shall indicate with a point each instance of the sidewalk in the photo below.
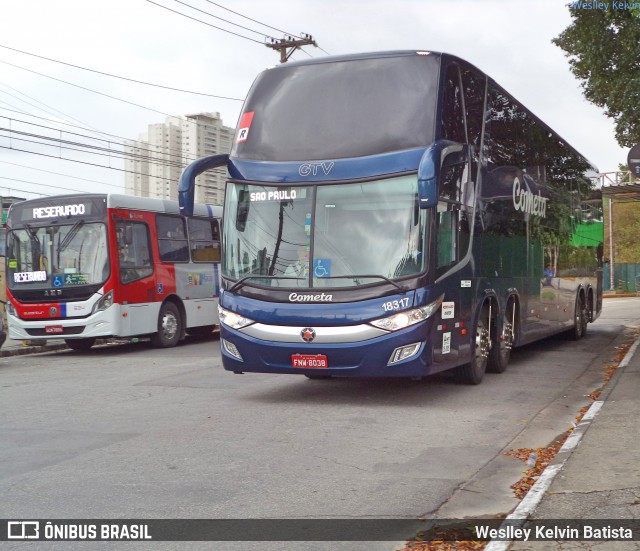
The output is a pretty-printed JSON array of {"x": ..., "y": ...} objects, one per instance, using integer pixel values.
[
  {"x": 600, "y": 479},
  {"x": 18, "y": 348}
]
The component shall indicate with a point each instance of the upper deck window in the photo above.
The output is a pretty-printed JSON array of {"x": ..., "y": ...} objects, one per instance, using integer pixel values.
[{"x": 339, "y": 109}]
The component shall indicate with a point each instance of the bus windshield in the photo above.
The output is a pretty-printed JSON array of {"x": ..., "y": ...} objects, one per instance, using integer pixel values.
[
  {"x": 340, "y": 109},
  {"x": 324, "y": 236},
  {"x": 57, "y": 256}
]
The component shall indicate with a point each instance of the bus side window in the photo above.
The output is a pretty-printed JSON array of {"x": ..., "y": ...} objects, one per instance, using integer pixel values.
[
  {"x": 134, "y": 250},
  {"x": 172, "y": 238},
  {"x": 204, "y": 240},
  {"x": 453, "y": 125},
  {"x": 453, "y": 230}
]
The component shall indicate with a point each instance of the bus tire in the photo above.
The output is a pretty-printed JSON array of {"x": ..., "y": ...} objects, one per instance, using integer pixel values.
[
  {"x": 472, "y": 372},
  {"x": 580, "y": 319},
  {"x": 80, "y": 344},
  {"x": 169, "y": 326},
  {"x": 502, "y": 341}
]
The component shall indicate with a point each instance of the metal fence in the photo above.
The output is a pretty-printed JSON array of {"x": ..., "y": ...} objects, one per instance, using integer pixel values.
[{"x": 626, "y": 278}]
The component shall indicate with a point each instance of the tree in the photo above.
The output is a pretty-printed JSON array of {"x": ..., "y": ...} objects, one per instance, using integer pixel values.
[{"x": 603, "y": 47}]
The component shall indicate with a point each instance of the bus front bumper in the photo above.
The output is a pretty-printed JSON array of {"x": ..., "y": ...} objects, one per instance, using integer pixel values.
[
  {"x": 380, "y": 356},
  {"x": 100, "y": 324}
]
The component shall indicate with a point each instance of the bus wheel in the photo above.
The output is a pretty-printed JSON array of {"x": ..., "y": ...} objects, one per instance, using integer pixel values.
[
  {"x": 580, "y": 320},
  {"x": 169, "y": 326},
  {"x": 503, "y": 341},
  {"x": 79, "y": 344},
  {"x": 472, "y": 373}
]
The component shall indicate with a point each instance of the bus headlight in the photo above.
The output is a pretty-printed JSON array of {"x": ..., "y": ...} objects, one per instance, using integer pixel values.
[
  {"x": 410, "y": 317},
  {"x": 235, "y": 321},
  {"x": 10, "y": 309},
  {"x": 105, "y": 302}
]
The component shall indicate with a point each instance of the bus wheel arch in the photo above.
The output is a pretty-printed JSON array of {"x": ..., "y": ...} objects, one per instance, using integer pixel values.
[
  {"x": 504, "y": 335},
  {"x": 473, "y": 371},
  {"x": 171, "y": 325}
]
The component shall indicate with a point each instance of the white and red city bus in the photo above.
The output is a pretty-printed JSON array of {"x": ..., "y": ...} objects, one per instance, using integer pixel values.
[{"x": 82, "y": 267}]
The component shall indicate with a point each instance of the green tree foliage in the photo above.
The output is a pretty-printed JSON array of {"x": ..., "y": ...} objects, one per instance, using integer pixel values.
[
  {"x": 626, "y": 228},
  {"x": 603, "y": 47}
]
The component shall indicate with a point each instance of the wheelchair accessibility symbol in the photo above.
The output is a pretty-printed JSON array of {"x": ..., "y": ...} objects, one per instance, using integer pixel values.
[
  {"x": 322, "y": 267},
  {"x": 58, "y": 281}
]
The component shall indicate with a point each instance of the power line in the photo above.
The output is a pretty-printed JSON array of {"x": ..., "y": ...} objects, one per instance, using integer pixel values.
[
  {"x": 221, "y": 19},
  {"x": 85, "y": 88},
  {"x": 12, "y": 189},
  {"x": 250, "y": 19},
  {"x": 165, "y": 180},
  {"x": 120, "y": 77},
  {"x": 51, "y": 186},
  {"x": 204, "y": 22},
  {"x": 110, "y": 153},
  {"x": 131, "y": 144},
  {"x": 57, "y": 173},
  {"x": 126, "y": 143}
]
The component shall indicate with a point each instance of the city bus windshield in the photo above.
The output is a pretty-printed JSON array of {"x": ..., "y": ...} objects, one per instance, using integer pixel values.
[
  {"x": 326, "y": 236},
  {"x": 57, "y": 256}
]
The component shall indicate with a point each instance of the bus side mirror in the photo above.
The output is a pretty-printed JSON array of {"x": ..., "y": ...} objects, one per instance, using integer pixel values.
[
  {"x": 187, "y": 185},
  {"x": 437, "y": 155}
]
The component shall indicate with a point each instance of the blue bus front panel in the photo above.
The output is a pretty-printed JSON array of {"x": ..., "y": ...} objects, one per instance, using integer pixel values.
[{"x": 369, "y": 358}]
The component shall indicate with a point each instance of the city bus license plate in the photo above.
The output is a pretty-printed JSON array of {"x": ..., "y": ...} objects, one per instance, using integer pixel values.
[
  {"x": 52, "y": 329},
  {"x": 309, "y": 361}
]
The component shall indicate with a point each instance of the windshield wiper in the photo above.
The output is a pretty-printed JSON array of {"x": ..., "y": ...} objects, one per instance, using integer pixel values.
[
  {"x": 242, "y": 282},
  {"x": 357, "y": 278},
  {"x": 32, "y": 235},
  {"x": 70, "y": 235}
]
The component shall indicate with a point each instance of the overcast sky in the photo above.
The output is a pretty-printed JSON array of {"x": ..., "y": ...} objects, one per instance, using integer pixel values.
[{"x": 137, "y": 39}]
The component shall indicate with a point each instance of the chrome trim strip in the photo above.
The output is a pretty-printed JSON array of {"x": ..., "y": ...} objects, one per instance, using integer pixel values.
[{"x": 324, "y": 335}]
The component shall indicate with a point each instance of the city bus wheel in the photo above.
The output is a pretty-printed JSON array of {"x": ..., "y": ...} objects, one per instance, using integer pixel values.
[
  {"x": 581, "y": 319},
  {"x": 502, "y": 341},
  {"x": 79, "y": 344},
  {"x": 169, "y": 326},
  {"x": 472, "y": 373}
]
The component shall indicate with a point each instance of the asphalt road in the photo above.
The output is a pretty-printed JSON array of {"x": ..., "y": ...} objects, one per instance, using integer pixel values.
[{"x": 127, "y": 431}]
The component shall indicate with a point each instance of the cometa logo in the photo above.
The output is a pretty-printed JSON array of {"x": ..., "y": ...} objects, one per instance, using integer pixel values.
[
  {"x": 295, "y": 297},
  {"x": 526, "y": 201}
]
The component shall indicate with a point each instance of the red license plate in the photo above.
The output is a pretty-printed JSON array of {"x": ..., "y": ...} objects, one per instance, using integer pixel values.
[
  {"x": 309, "y": 361},
  {"x": 52, "y": 329}
]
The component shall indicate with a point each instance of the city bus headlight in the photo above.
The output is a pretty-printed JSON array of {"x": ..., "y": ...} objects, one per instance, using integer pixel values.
[
  {"x": 233, "y": 320},
  {"x": 10, "y": 309},
  {"x": 408, "y": 318},
  {"x": 105, "y": 302}
]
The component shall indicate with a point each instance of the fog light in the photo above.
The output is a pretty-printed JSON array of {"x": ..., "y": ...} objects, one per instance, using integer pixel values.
[
  {"x": 404, "y": 352},
  {"x": 231, "y": 349}
]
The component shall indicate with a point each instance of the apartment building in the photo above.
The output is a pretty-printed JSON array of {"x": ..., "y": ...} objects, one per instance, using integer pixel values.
[{"x": 155, "y": 161}]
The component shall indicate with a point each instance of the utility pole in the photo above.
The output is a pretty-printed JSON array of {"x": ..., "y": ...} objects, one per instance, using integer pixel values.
[{"x": 290, "y": 43}]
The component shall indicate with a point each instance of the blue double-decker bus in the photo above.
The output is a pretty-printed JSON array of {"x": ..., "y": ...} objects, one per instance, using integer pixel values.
[{"x": 398, "y": 214}]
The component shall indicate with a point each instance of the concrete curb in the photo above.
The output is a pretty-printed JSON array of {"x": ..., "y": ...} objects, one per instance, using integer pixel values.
[
  {"x": 533, "y": 498},
  {"x": 39, "y": 349},
  {"x": 32, "y": 350}
]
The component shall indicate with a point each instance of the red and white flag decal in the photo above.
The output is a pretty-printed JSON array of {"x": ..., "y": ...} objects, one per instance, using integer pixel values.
[{"x": 245, "y": 125}]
